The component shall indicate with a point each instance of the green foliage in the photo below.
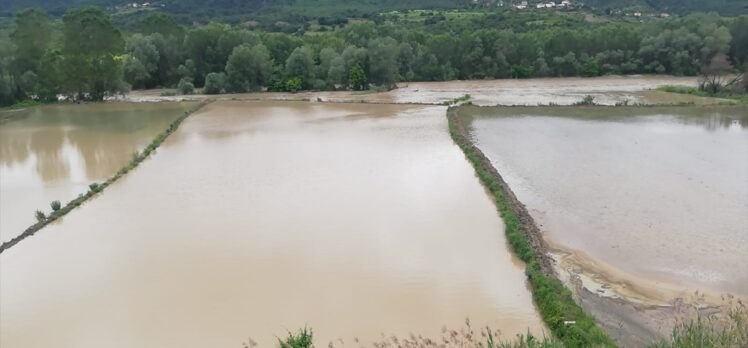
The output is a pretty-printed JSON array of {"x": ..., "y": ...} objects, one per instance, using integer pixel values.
[
  {"x": 248, "y": 68},
  {"x": 300, "y": 64},
  {"x": 94, "y": 187},
  {"x": 301, "y": 339},
  {"x": 215, "y": 83},
  {"x": 586, "y": 101},
  {"x": 293, "y": 84},
  {"x": 40, "y": 216},
  {"x": 185, "y": 87},
  {"x": 55, "y": 205},
  {"x": 357, "y": 79},
  {"x": 710, "y": 332}
]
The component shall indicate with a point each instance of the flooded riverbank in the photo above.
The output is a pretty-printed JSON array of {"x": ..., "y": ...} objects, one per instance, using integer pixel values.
[
  {"x": 607, "y": 90},
  {"x": 257, "y": 217},
  {"x": 643, "y": 204},
  {"x": 54, "y": 152}
]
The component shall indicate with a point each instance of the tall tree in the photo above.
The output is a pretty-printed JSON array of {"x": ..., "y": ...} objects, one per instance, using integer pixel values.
[
  {"x": 31, "y": 36},
  {"x": 301, "y": 64},
  {"x": 248, "y": 68},
  {"x": 91, "y": 46}
]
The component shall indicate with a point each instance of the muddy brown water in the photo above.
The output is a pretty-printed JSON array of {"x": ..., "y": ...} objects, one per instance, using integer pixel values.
[
  {"x": 607, "y": 90},
  {"x": 652, "y": 202},
  {"x": 54, "y": 152},
  {"x": 258, "y": 217}
]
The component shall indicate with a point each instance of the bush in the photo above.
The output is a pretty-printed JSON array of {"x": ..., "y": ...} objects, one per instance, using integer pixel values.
[
  {"x": 215, "y": 83},
  {"x": 302, "y": 339},
  {"x": 40, "y": 216},
  {"x": 55, "y": 205},
  {"x": 587, "y": 100},
  {"x": 294, "y": 84},
  {"x": 185, "y": 87},
  {"x": 94, "y": 187}
]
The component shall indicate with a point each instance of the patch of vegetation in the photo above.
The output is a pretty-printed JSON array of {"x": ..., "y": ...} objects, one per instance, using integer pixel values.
[
  {"x": 588, "y": 100},
  {"x": 55, "y": 205},
  {"x": 739, "y": 97},
  {"x": 95, "y": 188},
  {"x": 301, "y": 339},
  {"x": 457, "y": 101},
  {"x": 568, "y": 321},
  {"x": 711, "y": 332}
]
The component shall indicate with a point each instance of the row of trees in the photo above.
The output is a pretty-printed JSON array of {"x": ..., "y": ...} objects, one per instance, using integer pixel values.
[{"x": 89, "y": 58}]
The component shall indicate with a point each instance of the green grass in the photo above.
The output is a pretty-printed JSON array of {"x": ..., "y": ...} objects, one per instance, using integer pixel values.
[
  {"x": 741, "y": 98},
  {"x": 554, "y": 301},
  {"x": 711, "y": 332},
  {"x": 95, "y": 188}
]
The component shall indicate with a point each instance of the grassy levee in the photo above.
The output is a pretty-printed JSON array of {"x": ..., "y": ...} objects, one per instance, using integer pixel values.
[
  {"x": 96, "y": 188},
  {"x": 568, "y": 322}
]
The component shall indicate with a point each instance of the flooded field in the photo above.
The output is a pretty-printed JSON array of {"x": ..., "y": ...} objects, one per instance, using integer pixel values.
[
  {"x": 54, "y": 152},
  {"x": 650, "y": 202},
  {"x": 259, "y": 217},
  {"x": 562, "y": 91}
]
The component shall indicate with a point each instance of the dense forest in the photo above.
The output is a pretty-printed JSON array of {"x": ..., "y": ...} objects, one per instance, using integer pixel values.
[{"x": 85, "y": 56}]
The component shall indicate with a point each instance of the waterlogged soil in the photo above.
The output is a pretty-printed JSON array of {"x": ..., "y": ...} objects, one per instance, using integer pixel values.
[
  {"x": 259, "y": 217},
  {"x": 648, "y": 205},
  {"x": 608, "y": 90},
  {"x": 54, "y": 152}
]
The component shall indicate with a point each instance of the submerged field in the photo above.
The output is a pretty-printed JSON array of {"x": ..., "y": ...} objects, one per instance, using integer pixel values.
[
  {"x": 356, "y": 219},
  {"x": 54, "y": 152},
  {"x": 257, "y": 217},
  {"x": 643, "y": 204}
]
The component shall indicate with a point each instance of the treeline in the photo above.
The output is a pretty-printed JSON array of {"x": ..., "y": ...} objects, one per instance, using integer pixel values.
[{"x": 90, "y": 59}]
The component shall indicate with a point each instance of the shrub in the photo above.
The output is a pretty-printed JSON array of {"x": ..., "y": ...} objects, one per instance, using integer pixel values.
[
  {"x": 94, "y": 187},
  {"x": 587, "y": 100},
  {"x": 55, "y": 205},
  {"x": 40, "y": 216},
  {"x": 215, "y": 83},
  {"x": 302, "y": 339},
  {"x": 185, "y": 87},
  {"x": 293, "y": 84}
]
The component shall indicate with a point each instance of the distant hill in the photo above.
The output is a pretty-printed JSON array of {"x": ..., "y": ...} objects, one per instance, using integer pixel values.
[
  {"x": 724, "y": 7},
  {"x": 207, "y": 9}
]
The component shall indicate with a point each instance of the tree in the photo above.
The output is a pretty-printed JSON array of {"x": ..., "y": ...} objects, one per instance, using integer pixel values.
[
  {"x": 357, "y": 79},
  {"x": 301, "y": 64},
  {"x": 383, "y": 65},
  {"x": 185, "y": 87},
  {"x": 142, "y": 61},
  {"x": 215, "y": 83},
  {"x": 336, "y": 72},
  {"x": 326, "y": 57},
  {"x": 248, "y": 68},
  {"x": 163, "y": 24},
  {"x": 714, "y": 75},
  {"x": 31, "y": 36},
  {"x": 201, "y": 46},
  {"x": 91, "y": 46}
]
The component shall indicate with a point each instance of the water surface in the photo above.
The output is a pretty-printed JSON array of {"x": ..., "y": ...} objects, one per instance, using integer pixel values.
[
  {"x": 258, "y": 217},
  {"x": 658, "y": 196},
  {"x": 607, "y": 90},
  {"x": 54, "y": 152}
]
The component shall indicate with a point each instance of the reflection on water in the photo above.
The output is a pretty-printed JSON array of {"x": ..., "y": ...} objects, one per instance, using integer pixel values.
[
  {"x": 258, "y": 217},
  {"x": 54, "y": 152},
  {"x": 658, "y": 194}
]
